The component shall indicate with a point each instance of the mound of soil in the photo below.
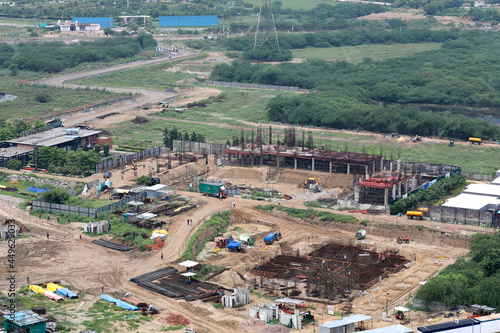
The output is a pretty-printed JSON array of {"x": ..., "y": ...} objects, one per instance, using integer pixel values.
[
  {"x": 140, "y": 120},
  {"x": 175, "y": 319}
]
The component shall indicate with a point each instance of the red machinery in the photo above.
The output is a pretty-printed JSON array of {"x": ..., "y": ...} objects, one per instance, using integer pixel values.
[
  {"x": 400, "y": 315},
  {"x": 402, "y": 240},
  {"x": 221, "y": 243}
]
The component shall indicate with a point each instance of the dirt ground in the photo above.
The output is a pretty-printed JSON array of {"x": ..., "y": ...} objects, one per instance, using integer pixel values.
[{"x": 66, "y": 258}]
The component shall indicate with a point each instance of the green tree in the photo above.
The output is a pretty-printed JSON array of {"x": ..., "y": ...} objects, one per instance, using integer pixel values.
[
  {"x": 14, "y": 70},
  {"x": 97, "y": 148},
  {"x": 105, "y": 148},
  {"x": 144, "y": 180},
  {"x": 57, "y": 196},
  {"x": 14, "y": 164},
  {"x": 38, "y": 124}
]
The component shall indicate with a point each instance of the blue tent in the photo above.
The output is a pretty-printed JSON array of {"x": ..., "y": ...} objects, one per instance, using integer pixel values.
[
  {"x": 118, "y": 302},
  {"x": 37, "y": 190}
]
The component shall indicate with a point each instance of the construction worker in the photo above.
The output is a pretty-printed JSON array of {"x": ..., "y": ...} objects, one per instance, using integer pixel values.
[
  {"x": 58, "y": 219},
  {"x": 40, "y": 216},
  {"x": 162, "y": 256},
  {"x": 102, "y": 289},
  {"x": 27, "y": 278},
  {"x": 48, "y": 217},
  {"x": 80, "y": 235},
  {"x": 69, "y": 220},
  {"x": 47, "y": 235}
]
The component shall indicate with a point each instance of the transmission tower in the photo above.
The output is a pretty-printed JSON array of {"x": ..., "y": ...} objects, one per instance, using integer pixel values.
[{"x": 266, "y": 29}]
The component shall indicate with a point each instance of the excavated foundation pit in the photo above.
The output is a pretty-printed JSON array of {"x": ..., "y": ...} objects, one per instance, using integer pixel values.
[{"x": 333, "y": 270}]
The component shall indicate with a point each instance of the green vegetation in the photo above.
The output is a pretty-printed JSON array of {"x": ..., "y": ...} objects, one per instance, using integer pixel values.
[
  {"x": 310, "y": 213},
  {"x": 26, "y": 105},
  {"x": 432, "y": 193},
  {"x": 209, "y": 229},
  {"x": 87, "y": 202},
  {"x": 217, "y": 305},
  {"x": 473, "y": 280},
  {"x": 55, "y": 57},
  {"x": 105, "y": 317},
  {"x": 172, "y": 328},
  {"x": 58, "y": 160},
  {"x": 352, "y": 96},
  {"x": 174, "y": 134},
  {"x": 14, "y": 165},
  {"x": 56, "y": 196},
  {"x": 144, "y": 180},
  {"x": 356, "y": 54}
]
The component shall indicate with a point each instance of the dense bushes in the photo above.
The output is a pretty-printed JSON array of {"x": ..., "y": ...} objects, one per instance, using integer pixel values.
[
  {"x": 57, "y": 196},
  {"x": 436, "y": 191},
  {"x": 54, "y": 57},
  {"x": 462, "y": 74},
  {"x": 58, "y": 160},
  {"x": 466, "y": 282},
  {"x": 209, "y": 229}
]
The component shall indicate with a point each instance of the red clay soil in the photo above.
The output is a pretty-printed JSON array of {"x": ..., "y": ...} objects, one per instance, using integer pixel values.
[
  {"x": 175, "y": 319},
  {"x": 156, "y": 246}
]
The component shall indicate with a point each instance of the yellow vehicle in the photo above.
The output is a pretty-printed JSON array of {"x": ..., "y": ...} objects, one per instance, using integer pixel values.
[
  {"x": 411, "y": 214},
  {"x": 475, "y": 140},
  {"x": 310, "y": 183}
]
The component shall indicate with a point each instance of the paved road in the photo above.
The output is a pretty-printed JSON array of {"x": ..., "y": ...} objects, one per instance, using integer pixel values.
[{"x": 143, "y": 95}]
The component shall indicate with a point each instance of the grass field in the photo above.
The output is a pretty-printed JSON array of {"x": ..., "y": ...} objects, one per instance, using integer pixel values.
[
  {"x": 26, "y": 105},
  {"x": 355, "y": 54}
]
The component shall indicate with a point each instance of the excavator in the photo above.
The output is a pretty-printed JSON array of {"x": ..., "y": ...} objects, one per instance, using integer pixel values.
[{"x": 313, "y": 184}]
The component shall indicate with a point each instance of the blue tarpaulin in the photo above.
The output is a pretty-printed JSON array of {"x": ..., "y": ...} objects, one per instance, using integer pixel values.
[
  {"x": 118, "y": 302},
  {"x": 105, "y": 22},
  {"x": 66, "y": 292},
  {"x": 188, "y": 21},
  {"x": 37, "y": 190}
]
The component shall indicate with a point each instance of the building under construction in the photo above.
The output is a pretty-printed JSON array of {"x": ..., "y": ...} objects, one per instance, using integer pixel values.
[
  {"x": 333, "y": 271},
  {"x": 299, "y": 154},
  {"x": 377, "y": 181}
]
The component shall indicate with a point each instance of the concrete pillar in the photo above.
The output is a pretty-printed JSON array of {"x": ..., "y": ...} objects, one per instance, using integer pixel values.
[
  {"x": 278, "y": 161},
  {"x": 295, "y": 162},
  {"x": 381, "y": 164},
  {"x": 366, "y": 172},
  {"x": 356, "y": 193},
  {"x": 386, "y": 198},
  {"x": 390, "y": 167},
  {"x": 373, "y": 167},
  {"x": 393, "y": 192},
  {"x": 261, "y": 159},
  {"x": 413, "y": 183},
  {"x": 251, "y": 160},
  {"x": 312, "y": 164},
  {"x": 330, "y": 167},
  {"x": 348, "y": 169}
]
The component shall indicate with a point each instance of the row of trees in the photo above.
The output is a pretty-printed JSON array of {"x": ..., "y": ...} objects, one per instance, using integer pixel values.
[
  {"x": 58, "y": 160},
  {"x": 385, "y": 96},
  {"x": 11, "y": 130},
  {"x": 466, "y": 282},
  {"x": 54, "y": 57},
  {"x": 169, "y": 135},
  {"x": 432, "y": 193}
]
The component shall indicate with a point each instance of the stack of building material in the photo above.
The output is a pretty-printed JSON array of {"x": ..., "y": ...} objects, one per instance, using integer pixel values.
[
  {"x": 96, "y": 227},
  {"x": 240, "y": 297},
  {"x": 291, "y": 320},
  {"x": 61, "y": 291}
]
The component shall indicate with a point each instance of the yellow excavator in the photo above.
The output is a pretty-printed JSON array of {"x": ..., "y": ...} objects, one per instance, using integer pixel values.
[{"x": 311, "y": 183}]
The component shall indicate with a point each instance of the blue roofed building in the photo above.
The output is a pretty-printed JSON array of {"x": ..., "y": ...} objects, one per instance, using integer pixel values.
[
  {"x": 25, "y": 321},
  {"x": 188, "y": 21}
]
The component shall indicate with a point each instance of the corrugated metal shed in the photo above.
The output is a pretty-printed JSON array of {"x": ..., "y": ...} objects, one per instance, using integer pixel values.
[
  {"x": 450, "y": 326},
  {"x": 25, "y": 318}
]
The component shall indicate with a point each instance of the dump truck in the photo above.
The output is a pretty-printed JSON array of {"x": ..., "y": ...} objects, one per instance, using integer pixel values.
[
  {"x": 475, "y": 140},
  {"x": 214, "y": 190},
  {"x": 235, "y": 246},
  {"x": 360, "y": 234},
  {"x": 414, "y": 214},
  {"x": 269, "y": 239},
  {"x": 248, "y": 240}
]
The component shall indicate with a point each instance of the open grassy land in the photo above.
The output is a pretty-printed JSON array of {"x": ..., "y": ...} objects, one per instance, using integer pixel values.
[
  {"x": 59, "y": 99},
  {"x": 157, "y": 77},
  {"x": 355, "y": 54}
]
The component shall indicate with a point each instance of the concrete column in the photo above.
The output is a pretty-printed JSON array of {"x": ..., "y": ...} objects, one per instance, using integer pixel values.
[
  {"x": 251, "y": 160},
  {"x": 373, "y": 167},
  {"x": 261, "y": 160},
  {"x": 386, "y": 198},
  {"x": 390, "y": 166},
  {"x": 312, "y": 163},
  {"x": 366, "y": 172},
  {"x": 356, "y": 193},
  {"x": 381, "y": 164},
  {"x": 393, "y": 192},
  {"x": 330, "y": 167},
  {"x": 278, "y": 161},
  {"x": 413, "y": 183},
  {"x": 295, "y": 162},
  {"x": 348, "y": 169}
]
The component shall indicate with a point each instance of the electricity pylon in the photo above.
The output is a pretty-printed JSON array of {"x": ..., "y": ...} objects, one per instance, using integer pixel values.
[{"x": 266, "y": 29}]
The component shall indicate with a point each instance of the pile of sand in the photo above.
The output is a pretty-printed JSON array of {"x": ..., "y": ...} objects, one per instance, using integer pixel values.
[
  {"x": 253, "y": 323},
  {"x": 229, "y": 278},
  {"x": 175, "y": 319},
  {"x": 275, "y": 329}
]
